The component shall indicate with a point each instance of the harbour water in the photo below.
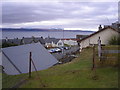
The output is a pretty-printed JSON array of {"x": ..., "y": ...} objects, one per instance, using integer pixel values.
[{"x": 55, "y": 34}]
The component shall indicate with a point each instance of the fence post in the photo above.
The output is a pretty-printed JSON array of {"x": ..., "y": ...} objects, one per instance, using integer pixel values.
[
  {"x": 93, "y": 66},
  {"x": 99, "y": 49},
  {"x": 30, "y": 59}
]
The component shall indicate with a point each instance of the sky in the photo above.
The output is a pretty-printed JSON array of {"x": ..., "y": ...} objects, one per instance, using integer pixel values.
[{"x": 65, "y": 14}]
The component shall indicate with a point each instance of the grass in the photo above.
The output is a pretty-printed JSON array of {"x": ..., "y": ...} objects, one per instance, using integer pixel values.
[
  {"x": 9, "y": 81},
  {"x": 0, "y": 80},
  {"x": 75, "y": 74}
]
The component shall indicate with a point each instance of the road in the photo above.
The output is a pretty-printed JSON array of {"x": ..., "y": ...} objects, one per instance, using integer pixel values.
[{"x": 60, "y": 55}]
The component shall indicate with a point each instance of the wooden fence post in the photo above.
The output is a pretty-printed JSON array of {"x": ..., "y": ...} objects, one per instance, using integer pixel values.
[
  {"x": 99, "y": 49},
  {"x": 93, "y": 66},
  {"x": 30, "y": 59}
]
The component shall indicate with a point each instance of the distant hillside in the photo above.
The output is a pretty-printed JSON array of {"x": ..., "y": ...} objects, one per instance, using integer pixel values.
[{"x": 43, "y": 30}]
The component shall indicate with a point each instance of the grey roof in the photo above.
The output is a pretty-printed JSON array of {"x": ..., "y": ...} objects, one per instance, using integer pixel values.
[
  {"x": 4, "y": 41},
  {"x": 39, "y": 39},
  {"x": 16, "y": 41},
  {"x": 15, "y": 60},
  {"x": 35, "y": 40},
  {"x": 27, "y": 40},
  {"x": 50, "y": 40}
]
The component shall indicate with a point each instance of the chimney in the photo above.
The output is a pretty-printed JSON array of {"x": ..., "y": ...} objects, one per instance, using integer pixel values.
[
  {"x": 33, "y": 39},
  {"x": 100, "y": 27},
  {"x": 6, "y": 39},
  {"x": 48, "y": 36},
  {"x": 23, "y": 42}
]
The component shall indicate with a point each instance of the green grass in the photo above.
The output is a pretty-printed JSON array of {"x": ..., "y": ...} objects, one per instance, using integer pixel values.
[
  {"x": 9, "y": 81},
  {"x": 75, "y": 74},
  {"x": 0, "y": 80}
]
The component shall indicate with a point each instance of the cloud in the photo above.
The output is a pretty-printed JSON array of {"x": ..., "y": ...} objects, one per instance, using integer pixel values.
[{"x": 58, "y": 14}]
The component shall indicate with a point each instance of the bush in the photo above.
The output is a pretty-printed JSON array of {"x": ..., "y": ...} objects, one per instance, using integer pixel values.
[
  {"x": 114, "y": 40},
  {"x": 8, "y": 45}
]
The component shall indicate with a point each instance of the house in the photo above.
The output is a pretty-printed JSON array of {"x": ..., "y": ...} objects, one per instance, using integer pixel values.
[
  {"x": 16, "y": 41},
  {"x": 24, "y": 40},
  {"x": 60, "y": 43},
  {"x": 104, "y": 33},
  {"x": 6, "y": 40},
  {"x": 70, "y": 41},
  {"x": 79, "y": 37},
  {"x": 39, "y": 39},
  {"x": 10, "y": 42},
  {"x": 51, "y": 42},
  {"x": 33, "y": 39},
  {"x": 15, "y": 60},
  {"x": 27, "y": 40}
]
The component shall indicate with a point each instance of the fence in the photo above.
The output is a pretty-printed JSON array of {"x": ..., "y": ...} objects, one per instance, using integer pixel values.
[
  {"x": 15, "y": 81},
  {"x": 106, "y": 56}
]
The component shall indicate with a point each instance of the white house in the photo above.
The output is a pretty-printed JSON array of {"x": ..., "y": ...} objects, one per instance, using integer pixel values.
[
  {"x": 70, "y": 42},
  {"x": 51, "y": 42},
  {"x": 60, "y": 43},
  {"x": 105, "y": 34}
]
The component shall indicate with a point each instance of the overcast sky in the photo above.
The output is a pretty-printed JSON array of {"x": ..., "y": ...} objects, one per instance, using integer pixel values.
[{"x": 55, "y": 14}]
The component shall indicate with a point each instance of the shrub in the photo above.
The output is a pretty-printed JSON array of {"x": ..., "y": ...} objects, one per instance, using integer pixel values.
[
  {"x": 114, "y": 40},
  {"x": 8, "y": 45}
]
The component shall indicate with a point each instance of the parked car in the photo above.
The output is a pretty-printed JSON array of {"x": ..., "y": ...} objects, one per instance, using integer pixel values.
[
  {"x": 54, "y": 50},
  {"x": 51, "y": 50},
  {"x": 61, "y": 48},
  {"x": 66, "y": 48},
  {"x": 58, "y": 50}
]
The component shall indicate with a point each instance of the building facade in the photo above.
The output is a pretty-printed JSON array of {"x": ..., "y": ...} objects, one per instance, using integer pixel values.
[{"x": 105, "y": 34}]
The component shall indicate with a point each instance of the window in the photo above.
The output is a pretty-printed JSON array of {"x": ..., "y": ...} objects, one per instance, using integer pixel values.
[{"x": 59, "y": 43}]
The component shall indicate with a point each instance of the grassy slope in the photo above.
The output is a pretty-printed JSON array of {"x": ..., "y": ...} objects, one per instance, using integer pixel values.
[
  {"x": 9, "y": 81},
  {"x": 75, "y": 74}
]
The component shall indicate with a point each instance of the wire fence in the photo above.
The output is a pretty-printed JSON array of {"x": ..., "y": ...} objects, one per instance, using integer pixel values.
[{"x": 15, "y": 81}]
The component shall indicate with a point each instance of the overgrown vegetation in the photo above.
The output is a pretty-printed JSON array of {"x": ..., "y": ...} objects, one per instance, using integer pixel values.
[
  {"x": 8, "y": 45},
  {"x": 114, "y": 40}
]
